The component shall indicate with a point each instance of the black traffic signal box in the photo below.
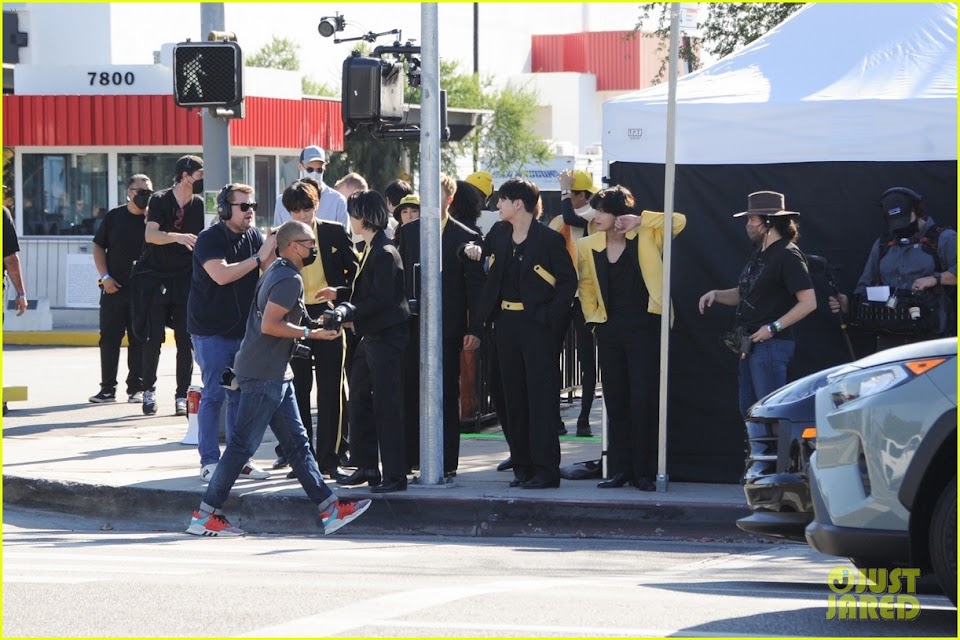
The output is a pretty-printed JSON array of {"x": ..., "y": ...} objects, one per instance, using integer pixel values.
[
  {"x": 207, "y": 74},
  {"x": 372, "y": 91}
]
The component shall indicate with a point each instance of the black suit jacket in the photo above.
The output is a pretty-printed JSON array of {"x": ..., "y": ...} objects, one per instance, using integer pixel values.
[
  {"x": 378, "y": 288},
  {"x": 548, "y": 279},
  {"x": 336, "y": 253},
  {"x": 461, "y": 282}
]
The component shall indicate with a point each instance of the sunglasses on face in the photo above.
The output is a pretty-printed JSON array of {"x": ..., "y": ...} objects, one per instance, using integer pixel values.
[
  {"x": 312, "y": 242},
  {"x": 142, "y": 192},
  {"x": 311, "y": 169},
  {"x": 245, "y": 206}
]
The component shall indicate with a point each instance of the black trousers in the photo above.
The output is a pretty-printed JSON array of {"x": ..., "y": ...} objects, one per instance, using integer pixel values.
[
  {"x": 587, "y": 356},
  {"x": 488, "y": 349},
  {"x": 169, "y": 308},
  {"x": 527, "y": 352},
  {"x": 325, "y": 366},
  {"x": 115, "y": 320},
  {"x": 451, "y": 398},
  {"x": 376, "y": 402},
  {"x": 630, "y": 364}
]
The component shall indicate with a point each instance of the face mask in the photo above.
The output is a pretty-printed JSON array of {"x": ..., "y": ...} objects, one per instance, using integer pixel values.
[
  {"x": 316, "y": 174},
  {"x": 141, "y": 201},
  {"x": 198, "y": 187},
  {"x": 311, "y": 258},
  {"x": 908, "y": 231}
]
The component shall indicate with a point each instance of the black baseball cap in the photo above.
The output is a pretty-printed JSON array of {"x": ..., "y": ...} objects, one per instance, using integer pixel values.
[{"x": 188, "y": 164}]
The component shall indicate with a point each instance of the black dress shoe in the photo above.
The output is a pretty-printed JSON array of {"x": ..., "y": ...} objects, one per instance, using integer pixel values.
[
  {"x": 280, "y": 462},
  {"x": 645, "y": 484},
  {"x": 333, "y": 473},
  {"x": 541, "y": 482},
  {"x": 506, "y": 465},
  {"x": 618, "y": 480},
  {"x": 519, "y": 477},
  {"x": 358, "y": 477},
  {"x": 291, "y": 474},
  {"x": 561, "y": 429},
  {"x": 390, "y": 485}
]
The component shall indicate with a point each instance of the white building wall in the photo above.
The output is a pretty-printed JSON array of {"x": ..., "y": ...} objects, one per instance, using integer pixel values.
[{"x": 574, "y": 114}]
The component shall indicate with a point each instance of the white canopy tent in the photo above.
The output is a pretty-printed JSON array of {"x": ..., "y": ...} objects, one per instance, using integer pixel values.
[{"x": 834, "y": 82}]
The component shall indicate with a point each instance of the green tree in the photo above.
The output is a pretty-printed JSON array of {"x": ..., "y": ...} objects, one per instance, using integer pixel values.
[
  {"x": 279, "y": 53},
  {"x": 725, "y": 28},
  {"x": 311, "y": 87}
]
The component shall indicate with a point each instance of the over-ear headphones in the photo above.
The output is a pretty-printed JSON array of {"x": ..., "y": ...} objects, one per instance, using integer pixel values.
[
  {"x": 910, "y": 193},
  {"x": 223, "y": 205}
]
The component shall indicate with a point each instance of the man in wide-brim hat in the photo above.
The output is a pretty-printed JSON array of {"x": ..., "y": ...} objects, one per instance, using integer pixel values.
[{"x": 773, "y": 293}]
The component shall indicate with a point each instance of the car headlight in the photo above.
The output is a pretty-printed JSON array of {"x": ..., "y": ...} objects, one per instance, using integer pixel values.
[
  {"x": 854, "y": 385},
  {"x": 800, "y": 389}
]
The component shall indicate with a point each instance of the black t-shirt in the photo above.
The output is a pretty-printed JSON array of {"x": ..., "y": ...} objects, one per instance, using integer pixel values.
[
  {"x": 221, "y": 310},
  {"x": 769, "y": 284},
  {"x": 166, "y": 211},
  {"x": 121, "y": 236},
  {"x": 10, "y": 243},
  {"x": 627, "y": 299}
]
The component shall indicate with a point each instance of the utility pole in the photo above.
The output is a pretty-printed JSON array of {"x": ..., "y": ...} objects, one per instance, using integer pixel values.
[
  {"x": 663, "y": 478},
  {"x": 431, "y": 318},
  {"x": 216, "y": 131}
]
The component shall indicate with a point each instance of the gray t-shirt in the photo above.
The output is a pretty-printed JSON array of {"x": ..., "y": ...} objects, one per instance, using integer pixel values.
[{"x": 264, "y": 357}]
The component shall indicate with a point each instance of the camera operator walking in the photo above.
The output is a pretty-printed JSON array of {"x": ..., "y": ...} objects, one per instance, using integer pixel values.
[
  {"x": 336, "y": 266},
  {"x": 227, "y": 259},
  {"x": 380, "y": 319},
  {"x": 773, "y": 293},
  {"x": 915, "y": 260},
  {"x": 265, "y": 381}
]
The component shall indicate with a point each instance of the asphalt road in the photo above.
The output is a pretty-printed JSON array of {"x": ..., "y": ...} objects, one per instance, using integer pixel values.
[{"x": 68, "y": 576}]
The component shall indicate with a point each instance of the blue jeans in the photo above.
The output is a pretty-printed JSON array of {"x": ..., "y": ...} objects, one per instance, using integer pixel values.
[
  {"x": 764, "y": 371},
  {"x": 264, "y": 402},
  {"x": 214, "y": 354}
]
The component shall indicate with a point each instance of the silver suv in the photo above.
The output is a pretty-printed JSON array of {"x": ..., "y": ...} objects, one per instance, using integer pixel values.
[{"x": 884, "y": 475}]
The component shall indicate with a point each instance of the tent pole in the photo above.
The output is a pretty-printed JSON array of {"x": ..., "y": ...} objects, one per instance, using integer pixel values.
[{"x": 663, "y": 478}]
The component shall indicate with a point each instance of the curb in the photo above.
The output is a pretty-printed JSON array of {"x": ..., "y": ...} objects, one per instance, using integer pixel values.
[
  {"x": 59, "y": 338},
  {"x": 408, "y": 514}
]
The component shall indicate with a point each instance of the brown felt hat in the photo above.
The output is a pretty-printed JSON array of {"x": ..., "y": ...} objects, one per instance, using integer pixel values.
[{"x": 766, "y": 203}]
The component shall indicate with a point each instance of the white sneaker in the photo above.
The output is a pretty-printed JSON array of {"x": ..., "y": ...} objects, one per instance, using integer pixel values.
[
  {"x": 254, "y": 473},
  {"x": 135, "y": 398},
  {"x": 206, "y": 472},
  {"x": 181, "y": 406}
]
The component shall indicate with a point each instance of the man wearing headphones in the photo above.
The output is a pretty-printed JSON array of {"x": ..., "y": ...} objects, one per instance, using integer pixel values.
[
  {"x": 227, "y": 259},
  {"x": 910, "y": 263},
  {"x": 773, "y": 293}
]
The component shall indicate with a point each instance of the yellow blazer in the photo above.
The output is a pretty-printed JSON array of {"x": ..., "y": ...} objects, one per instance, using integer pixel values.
[{"x": 649, "y": 239}]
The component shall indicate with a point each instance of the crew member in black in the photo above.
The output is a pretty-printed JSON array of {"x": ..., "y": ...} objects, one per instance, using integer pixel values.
[
  {"x": 461, "y": 283},
  {"x": 174, "y": 220},
  {"x": 916, "y": 259},
  {"x": 117, "y": 244},
  {"x": 336, "y": 266},
  {"x": 774, "y": 292},
  {"x": 376, "y": 404},
  {"x": 620, "y": 290},
  {"x": 529, "y": 289}
]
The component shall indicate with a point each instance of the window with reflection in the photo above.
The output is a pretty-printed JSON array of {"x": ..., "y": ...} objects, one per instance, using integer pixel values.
[{"x": 64, "y": 194}]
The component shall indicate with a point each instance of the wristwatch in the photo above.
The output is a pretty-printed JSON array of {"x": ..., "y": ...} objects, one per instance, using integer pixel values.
[
  {"x": 306, "y": 332},
  {"x": 256, "y": 257},
  {"x": 103, "y": 278},
  {"x": 936, "y": 276},
  {"x": 564, "y": 192}
]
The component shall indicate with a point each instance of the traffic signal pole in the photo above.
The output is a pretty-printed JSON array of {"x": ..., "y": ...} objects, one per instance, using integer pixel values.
[
  {"x": 216, "y": 131},
  {"x": 431, "y": 318}
]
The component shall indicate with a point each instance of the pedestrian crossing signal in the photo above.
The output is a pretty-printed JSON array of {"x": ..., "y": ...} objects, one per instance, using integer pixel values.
[{"x": 207, "y": 74}]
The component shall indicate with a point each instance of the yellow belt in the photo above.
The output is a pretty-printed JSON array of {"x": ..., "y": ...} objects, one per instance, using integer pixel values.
[{"x": 506, "y": 305}]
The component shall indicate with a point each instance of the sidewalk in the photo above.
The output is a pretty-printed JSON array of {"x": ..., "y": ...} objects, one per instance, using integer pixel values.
[{"x": 63, "y": 454}]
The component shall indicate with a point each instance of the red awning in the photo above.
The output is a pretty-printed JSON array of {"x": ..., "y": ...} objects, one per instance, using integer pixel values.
[{"x": 47, "y": 121}]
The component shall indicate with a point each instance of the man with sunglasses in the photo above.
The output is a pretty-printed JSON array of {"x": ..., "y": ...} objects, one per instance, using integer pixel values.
[
  {"x": 174, "y": 219},
  {"x": 227, "y": 259},
  {"x": 116, "y": 246},
  {"x": 333, "y": 206}
]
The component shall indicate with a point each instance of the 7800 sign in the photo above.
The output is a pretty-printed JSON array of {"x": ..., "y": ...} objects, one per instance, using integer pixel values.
[{"x": 116, "y": 78}]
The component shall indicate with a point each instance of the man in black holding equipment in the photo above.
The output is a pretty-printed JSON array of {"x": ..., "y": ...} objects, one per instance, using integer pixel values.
[{"x": 909, "y": 266}]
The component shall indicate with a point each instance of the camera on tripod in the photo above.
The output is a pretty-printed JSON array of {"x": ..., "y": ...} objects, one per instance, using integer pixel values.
[{"x": 334, "y": 319}]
